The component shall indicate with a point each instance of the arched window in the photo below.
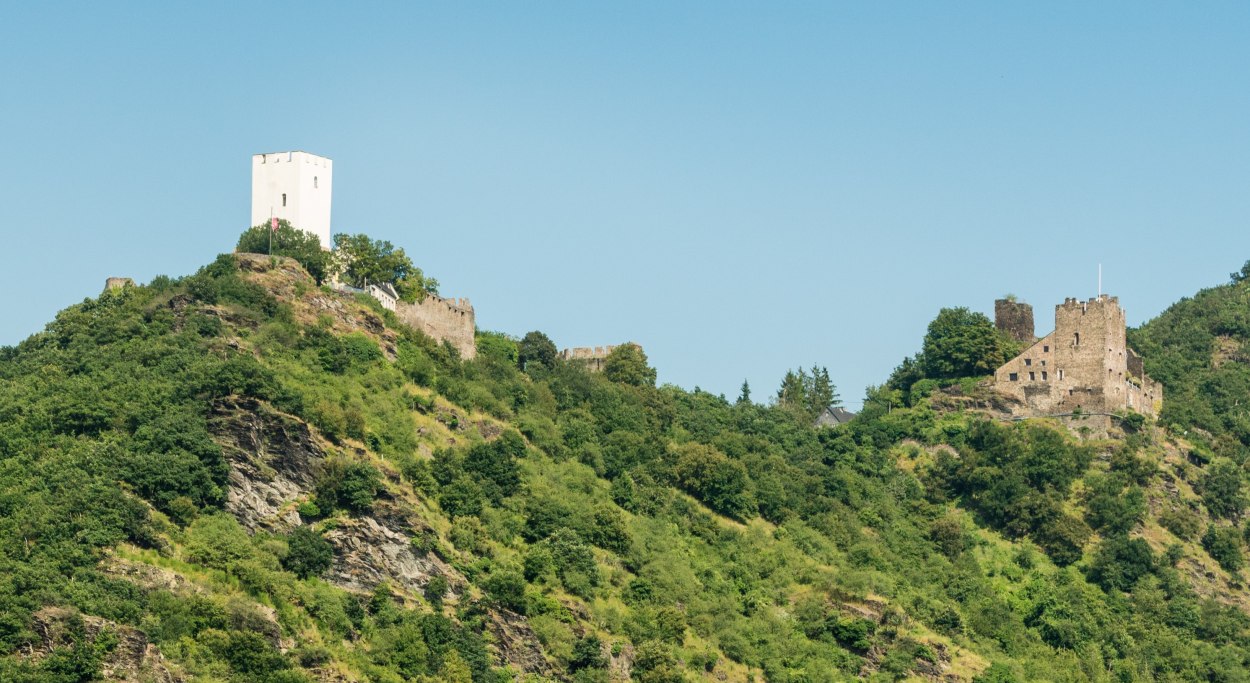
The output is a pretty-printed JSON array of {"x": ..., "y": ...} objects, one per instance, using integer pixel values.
[
  {"x": 284, "y": 199},
  {"x": 1076, "y": 336}
]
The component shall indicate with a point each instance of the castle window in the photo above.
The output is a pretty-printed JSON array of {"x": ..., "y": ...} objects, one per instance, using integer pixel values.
[
  {"x": 284, "y": 199},
  {"x": 1061, "y": 374},
  {"x": 1028, "y": 361},
  {"x": 314, "y": 182},
  {"x": 1043, "y": 363},
  {"x": 1043, "y": 375},
  {"x": 1013, "y": 377},
  {"x": 1045, "y": 349},
  {"x": 1076, "y": 338},
  {"x": 1032, "y": 377}
]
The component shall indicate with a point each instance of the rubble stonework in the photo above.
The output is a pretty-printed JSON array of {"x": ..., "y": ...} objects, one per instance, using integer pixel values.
[
  {"x": 1084, "y": 364},
  {"x": 592, "y": 357},
  {"x": 1015, "y": 318}
]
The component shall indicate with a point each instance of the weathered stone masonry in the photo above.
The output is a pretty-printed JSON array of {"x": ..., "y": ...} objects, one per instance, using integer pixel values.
[
  {"x": 592, "y": 356},
  {"x": 1015, "y": 318},
  {"x": 1085, "y": 363},
  {"x": 443, "y": 319}
]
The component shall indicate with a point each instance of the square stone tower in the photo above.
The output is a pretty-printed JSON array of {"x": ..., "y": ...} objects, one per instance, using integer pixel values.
[{"x": 295, "y": 186}]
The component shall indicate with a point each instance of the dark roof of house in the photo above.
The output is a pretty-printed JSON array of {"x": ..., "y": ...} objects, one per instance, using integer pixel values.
[
  {"x": 388, "y": 290},
  {"x": 834, "y": 416}
]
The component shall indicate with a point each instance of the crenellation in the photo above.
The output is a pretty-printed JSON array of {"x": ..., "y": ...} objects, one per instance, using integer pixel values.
[
  {"x": 450, "y": 320},
  {"x": 593, "y": 357},
  {"x": 282, "y": 187}
]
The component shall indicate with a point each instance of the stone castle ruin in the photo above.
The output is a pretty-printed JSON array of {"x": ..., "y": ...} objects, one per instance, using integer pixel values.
[
  {"x": 1084, "y": 366},
  {"x": 1014, "y": 318},
  {"x": 592, "y": 356}
]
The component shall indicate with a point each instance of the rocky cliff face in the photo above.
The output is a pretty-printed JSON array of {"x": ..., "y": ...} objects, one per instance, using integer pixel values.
[
  {"x": 274, "y": 463},
  {"x": 275, "y": 460}
]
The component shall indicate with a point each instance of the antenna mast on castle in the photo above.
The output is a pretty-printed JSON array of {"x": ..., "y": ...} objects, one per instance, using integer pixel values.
[{"x": 1099, "y": 280}]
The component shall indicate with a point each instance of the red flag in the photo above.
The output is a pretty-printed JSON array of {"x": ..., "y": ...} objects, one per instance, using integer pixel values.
[{"x": 273, "y": 223}]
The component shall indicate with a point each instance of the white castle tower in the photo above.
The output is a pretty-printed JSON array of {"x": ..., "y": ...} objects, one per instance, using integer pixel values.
[{"x": 295, "y": 186}]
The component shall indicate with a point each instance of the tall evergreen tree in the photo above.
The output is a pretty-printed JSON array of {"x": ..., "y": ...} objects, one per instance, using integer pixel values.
[{"x": 745, "y": 395}]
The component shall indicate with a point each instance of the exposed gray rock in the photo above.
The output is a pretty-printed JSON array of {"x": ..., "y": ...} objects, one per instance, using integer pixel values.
[
  {"x": 517, "y": 643},
  {"x": 273, "y": 459},
  {"x": 368, "y": 552}
]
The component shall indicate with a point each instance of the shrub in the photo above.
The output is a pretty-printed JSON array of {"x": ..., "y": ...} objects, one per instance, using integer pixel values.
[
  {"x": 308, "y": 554},
  {"x": 948, "y": 534},
  {"x": 853, "y": 632},
  {"x": 587, "y": 654},
  {"x": 506, "y": 588},
  {"x": 436, "y": 589},
  {"x": 1223, "y": 544},
  {"x": 716, "y": 479},
  {"x": 1120, "y": 561},
  {"x": 1222, "y": 489},
  {"x": 347, "y": 484},
  {"x": 1183, "y": 522}
]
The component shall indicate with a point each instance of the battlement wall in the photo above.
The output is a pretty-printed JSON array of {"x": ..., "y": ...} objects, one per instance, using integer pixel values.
[
  {"x": 592, "y": 356},
  {"x": 450, "y": 320},
  {"x": 586, "y": 352}
]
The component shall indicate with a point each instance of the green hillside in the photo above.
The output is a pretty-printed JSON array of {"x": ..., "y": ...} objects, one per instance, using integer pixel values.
[{"x": 240, "y": 475}]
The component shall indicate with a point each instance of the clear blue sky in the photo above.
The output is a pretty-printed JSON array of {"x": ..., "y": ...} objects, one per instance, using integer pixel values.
[{"x": 742, "y": 188}]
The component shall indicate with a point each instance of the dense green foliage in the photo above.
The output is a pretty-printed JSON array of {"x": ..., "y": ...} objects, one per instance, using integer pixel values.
[
  {"x": 958, "y": 343},
  {"x": 608, "y": 516},
  {"x": 361, "y": 260},
  {"x": 804, "y": 394},
  {"x": 1198, "y": 349}
]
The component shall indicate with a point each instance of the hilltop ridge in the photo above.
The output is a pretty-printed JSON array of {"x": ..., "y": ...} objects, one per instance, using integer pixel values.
[{"x": 243, "y": 475}]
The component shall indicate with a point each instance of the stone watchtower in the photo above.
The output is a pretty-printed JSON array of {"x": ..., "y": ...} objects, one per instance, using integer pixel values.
[
  {"x": 295, "y": 186},
  {"x": 1015, "y": 318},
  {"x": 1085, "y": 363}
]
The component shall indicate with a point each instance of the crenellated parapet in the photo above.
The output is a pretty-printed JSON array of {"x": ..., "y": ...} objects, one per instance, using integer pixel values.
[{"x": 450, "y": 320}]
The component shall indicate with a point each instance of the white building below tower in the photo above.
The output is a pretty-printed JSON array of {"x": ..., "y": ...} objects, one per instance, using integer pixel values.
[{"x": 295, "y": 186}]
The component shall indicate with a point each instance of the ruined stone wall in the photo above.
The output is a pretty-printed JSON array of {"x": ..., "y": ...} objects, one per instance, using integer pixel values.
[
  {"x": 451, "y": 320},
  {"x": 1085, "y": 363},
  {"x": 1015, "y": 318},
  {"x": 1143, "y": 394},
  {"x": 118, "y": 283},
  {"x": 592, "y": 356}
]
